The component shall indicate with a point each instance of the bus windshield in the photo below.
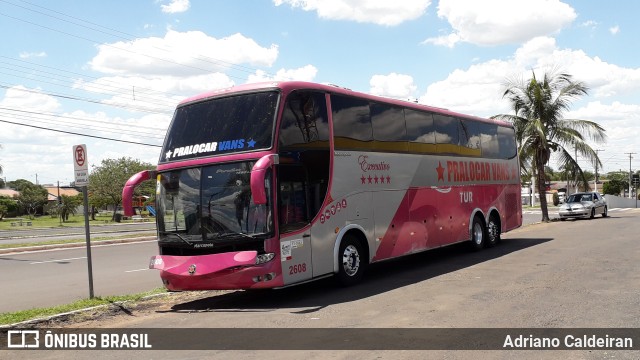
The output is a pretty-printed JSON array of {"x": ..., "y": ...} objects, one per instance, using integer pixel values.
[
  {"x": 220, "y": 126},
  {"x": 210, "y": 206}
]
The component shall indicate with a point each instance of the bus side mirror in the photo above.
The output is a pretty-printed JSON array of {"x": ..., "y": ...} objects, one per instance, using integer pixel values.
[
  {"x": 130, "y": 186},
  {"x": 258, "y": 176}
]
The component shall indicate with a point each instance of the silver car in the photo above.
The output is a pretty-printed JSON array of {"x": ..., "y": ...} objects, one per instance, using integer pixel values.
[{"x": 586, "y": 204}]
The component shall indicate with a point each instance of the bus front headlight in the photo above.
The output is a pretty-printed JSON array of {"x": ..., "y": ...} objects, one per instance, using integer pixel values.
[{"x": 264, "y": 258}]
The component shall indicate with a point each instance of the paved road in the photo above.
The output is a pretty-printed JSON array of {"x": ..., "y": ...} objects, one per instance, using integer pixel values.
[
  {"x": 533, "y": 216},
  {"x": 574, "y": 274},
  {"x": 56, "y": 277}
]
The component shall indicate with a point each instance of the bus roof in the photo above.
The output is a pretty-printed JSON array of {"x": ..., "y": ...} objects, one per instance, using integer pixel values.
[{"x": 287, "y": 86}]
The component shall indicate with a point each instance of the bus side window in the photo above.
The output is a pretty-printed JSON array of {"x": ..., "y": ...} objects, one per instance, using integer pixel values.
[
  {"x": 421, "y": 131},
  {"x": 351, "y": 123},
  {"x": 388, "y": 123},
  {"x": 489, "y": 140},
  {"x": 303, "y": 142},
  {"x": 447, "y": 134},
  {"x": 507, "y": 143}
]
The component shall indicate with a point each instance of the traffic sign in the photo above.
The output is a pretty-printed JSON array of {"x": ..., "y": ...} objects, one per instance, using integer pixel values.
[{"x": 80, "y": 165}]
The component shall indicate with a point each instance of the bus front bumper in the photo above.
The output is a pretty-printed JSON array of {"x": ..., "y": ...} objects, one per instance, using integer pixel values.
[{"x": 225, "y": 271}]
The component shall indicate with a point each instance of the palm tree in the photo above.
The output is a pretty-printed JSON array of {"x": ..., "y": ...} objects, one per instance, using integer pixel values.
[{"x": 541, "y": 129}]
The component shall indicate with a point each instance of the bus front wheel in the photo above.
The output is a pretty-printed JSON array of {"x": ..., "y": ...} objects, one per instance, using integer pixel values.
[{"x": 352, "y": 261}]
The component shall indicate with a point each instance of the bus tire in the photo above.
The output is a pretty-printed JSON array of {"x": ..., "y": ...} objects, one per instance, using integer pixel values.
[
  {"x": 478, "y": 234},
  {"x": 493, "y": 231},
  {"x": 352, "y": 260}
]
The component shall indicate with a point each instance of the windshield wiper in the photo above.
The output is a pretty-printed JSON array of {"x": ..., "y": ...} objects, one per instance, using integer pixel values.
[
  {"x": 232, "y": 234},
  {"x": 176, "y": 235}
]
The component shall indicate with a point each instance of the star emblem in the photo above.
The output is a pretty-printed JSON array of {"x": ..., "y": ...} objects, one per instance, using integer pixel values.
[
  {"x": 440, "y": 170},
  {"x": 376, "y": 179},
  {"x": 388, "y": 179},
  {"x": 370, "y": 178},
  {"x": 168, "y": 154},
  {"x": 251, "y": 143},
  {"x": 363, "y": 179}
]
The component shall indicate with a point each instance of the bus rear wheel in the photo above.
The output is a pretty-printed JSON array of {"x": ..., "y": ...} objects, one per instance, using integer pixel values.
[
  {"x": 478, "y": 233},
  {"x": 352, "y": 260},
  {"x": 493, "y": 231}
]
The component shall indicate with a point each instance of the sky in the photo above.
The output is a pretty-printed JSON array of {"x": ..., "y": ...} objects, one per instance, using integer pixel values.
[{"x": 101, "y": 71}]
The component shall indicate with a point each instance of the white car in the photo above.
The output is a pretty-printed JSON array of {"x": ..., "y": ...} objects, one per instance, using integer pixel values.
[{"x": 586, "y": 204}]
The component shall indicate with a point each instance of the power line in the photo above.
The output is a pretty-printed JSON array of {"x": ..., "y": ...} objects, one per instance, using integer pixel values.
[
  {"x": 127, "y": 50},
  {"x": 100, "y": 102},
  {"x": 81, "y": 126},
  {"x": 79, "y": 134},
  {"x": 116, "y": 84},
  {"x": 129, "y": 37},
  {"x": 162, "y": 131}
]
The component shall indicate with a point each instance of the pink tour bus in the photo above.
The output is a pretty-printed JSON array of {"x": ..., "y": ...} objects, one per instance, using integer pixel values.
[{"x": 273, "y": 184}]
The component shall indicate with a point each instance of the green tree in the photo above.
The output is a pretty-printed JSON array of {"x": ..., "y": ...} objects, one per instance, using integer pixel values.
[
  {"x": 32, "y": 197},
  {"x": 107, "y": 181},
  {"x": 618, "y": 182},
  {"x": 69, "y": 206},
  {"x": 614, "y": 187},
  {"x": 19, "y": 184},
  {"x": 539, "y": 105},
  {"x": 7, "y": 206}
]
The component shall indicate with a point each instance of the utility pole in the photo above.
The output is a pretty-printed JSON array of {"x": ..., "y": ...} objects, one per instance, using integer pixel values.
[
  {"x": 576, "y": 171},
  {"x": 630, "y": 153},
  {"x": 595, "y": 183},
  {"x": 59, "y": 204}
]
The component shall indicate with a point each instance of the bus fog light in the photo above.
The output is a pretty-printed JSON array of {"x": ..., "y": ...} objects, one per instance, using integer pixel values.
[
  {"x": 257, "y": 279},
  {"x": 263, "y": 258},
  {"x": 269, "y": 276}
]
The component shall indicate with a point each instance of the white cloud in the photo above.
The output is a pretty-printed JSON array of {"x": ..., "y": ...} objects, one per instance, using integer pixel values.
[
  {"x": 176, "y": 6},
  {"x": 156, "y": 93},
  {"x": 589, "y": 24},
  {"x": 478, "y": 89},
  {"x": 380, "y": 12},
  {"x": 614, "y": 30},
  {"x": 27, "y": 55},
  {"x": 181, "y": 54},
  {"x": 494, "y": 22},
  {"x": 20, "y": 97},
  {"x": 393, "y": 85},
  {"x": 305, "y": 73}
]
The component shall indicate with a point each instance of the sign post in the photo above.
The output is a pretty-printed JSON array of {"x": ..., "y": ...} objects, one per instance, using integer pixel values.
[{"x": 81, "y": 170}]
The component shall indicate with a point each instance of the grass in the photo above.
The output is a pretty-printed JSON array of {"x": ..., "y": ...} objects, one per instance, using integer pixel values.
[
  {"x": 37, "y": 313},
  {"x": 47, "y": 221}
]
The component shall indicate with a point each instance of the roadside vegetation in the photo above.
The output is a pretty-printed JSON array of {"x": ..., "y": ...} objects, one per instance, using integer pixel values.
[
  {"x": 47, "y": 221},
  {"x": 39, "y": 313}
]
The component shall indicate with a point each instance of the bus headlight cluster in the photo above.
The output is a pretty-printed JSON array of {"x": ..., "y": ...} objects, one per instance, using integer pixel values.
[{"x": 263, "y": 258}]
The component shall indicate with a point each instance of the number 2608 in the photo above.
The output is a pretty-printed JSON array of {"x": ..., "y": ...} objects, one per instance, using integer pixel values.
[{"x": 298, "y": 268}]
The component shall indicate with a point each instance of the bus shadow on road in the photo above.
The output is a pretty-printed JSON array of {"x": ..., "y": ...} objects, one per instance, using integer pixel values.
[{"x": 380, "y": 278}]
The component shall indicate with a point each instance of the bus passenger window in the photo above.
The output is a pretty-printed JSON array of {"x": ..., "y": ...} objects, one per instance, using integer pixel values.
[
  {"x": 304, "y": 148},
  {"x": 351, "y": 123},
  {"x": 447, "y": 134},
  {"x": 388, "y": 123}
]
